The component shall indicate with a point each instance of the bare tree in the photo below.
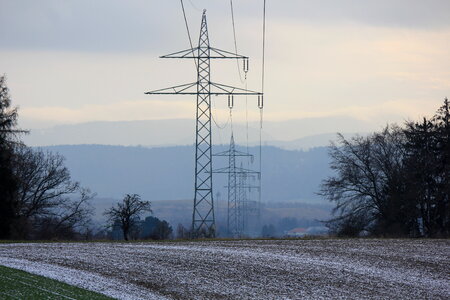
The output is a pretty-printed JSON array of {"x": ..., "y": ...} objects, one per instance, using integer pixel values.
[
  {"x": 368, "y": 178},
  {"x": 47, "y": 199},
  {"x": 183, "y": 232},
  {"x": 35, "y": 186},
  {"x": 127, "y": 213}
]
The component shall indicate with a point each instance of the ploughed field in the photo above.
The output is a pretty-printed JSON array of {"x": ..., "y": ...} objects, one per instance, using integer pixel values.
[{"x": 253, "y": 269}]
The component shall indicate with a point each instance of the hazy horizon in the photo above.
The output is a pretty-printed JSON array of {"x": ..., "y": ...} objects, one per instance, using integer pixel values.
[{"x": 291, "y": 134}]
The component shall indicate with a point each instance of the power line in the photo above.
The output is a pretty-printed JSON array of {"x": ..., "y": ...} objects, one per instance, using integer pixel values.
[
  {"x": 215, "y": 122},
  {"x": 261, "y": 104},
  {"x": 235, "y": 40},
  {"x": 246, "y": 114},
  {"x": 188, "y": 33},
  {"x": 263, "y": 47},
  {"x": 214, "y": 119},
  {"x": 194, "y": 6},
  {"x": 231, "y": 121},
  {"x": 239, "y": 70}
]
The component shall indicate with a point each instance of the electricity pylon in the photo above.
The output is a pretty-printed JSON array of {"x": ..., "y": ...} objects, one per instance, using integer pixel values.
[
  {"x": 248, "y": 209},
  {"x": 236, "y": 217},
  {"x": 203, "y": 220}
]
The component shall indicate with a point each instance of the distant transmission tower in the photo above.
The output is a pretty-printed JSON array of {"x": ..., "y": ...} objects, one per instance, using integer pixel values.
[
  {"x": 242, "y": 202},
  {"x": 249, "y": 210},
  {"x": 203, "y": 220},
  {"x": 237, "y": 201}
]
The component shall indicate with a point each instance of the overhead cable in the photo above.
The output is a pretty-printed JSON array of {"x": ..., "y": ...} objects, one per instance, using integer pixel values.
[
  {"x": 188, "y": 33},
  {"x": 263, "y": 47},
  {"x": 194, "y": 6},
  {"x": 261, "y": 105},
  {"x": 235, "y": 42}
]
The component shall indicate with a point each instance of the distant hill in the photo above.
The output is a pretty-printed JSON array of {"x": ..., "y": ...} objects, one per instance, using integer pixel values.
[
  {"x": 290, "y": 134},
  {"x": 166, "y": 173}
]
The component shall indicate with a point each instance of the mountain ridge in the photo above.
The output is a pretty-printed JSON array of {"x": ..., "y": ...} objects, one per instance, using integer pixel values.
[
  {"x": 289, "y": 134},
  {"x": 166, "y": 173}
]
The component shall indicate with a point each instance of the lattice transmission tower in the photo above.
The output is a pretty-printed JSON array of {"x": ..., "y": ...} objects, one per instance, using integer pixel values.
[
  {"x": 249, "y": 210},
  {"x": 237, "y": 209},
  {"x": 203, "y": 219}
]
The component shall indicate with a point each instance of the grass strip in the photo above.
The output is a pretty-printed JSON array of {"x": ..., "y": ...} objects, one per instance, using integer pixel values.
[{"x": 17, "y": 284}]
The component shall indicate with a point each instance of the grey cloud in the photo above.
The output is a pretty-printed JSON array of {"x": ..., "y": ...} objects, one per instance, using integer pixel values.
[
  {"x": 100, "y": 25},
  {"x": 144, "y": 25},
  {"x": 417, "y": 14}
]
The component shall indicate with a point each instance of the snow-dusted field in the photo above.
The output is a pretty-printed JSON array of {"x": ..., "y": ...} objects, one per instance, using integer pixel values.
[{"x": 276, "y": 269}]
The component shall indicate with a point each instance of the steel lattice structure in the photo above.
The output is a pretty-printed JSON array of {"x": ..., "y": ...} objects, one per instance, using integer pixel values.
[
  {"x": 247, "y": 209},
  {"x": 237, "y": 199},
  {"x": 242, "y": 203},
  {"x": 203, "y": 220}
]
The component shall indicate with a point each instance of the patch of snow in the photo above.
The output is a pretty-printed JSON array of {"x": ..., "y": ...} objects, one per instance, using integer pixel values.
[{"x": 254, "y": 269}]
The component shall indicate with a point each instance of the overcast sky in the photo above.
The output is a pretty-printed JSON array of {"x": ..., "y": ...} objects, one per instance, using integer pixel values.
[{"x": 78, "y": 61}]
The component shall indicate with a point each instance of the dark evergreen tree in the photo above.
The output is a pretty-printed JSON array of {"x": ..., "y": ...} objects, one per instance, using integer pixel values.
[
  {"x": 154, "y": 228},
  {"x": 420, "y": 163},
  {"x": 268, "y": 231},
  {"x": 428, "y": 171},
  {"x": 442, "y": 123},
  {"x": 8, "y": 183}
]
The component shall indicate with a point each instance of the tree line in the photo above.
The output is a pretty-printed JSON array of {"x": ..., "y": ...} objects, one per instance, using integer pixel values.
[
  {"x": 395, "y": 182},
  {"x": 39, "y": 200}
]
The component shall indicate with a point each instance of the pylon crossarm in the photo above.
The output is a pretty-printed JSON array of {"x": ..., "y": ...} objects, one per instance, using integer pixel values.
[
  {"x": 177, "y": 89},
  {"x": 221, "y": 170},
  {"x": 223, "y": 89},
  {"x": 188, "y": 53},
  {"x": 214, "y": 54},
  {"x": 235, "y": 153},
  {"x": 236, "y": 170},
  {"x": 191, "y": 89},
  {"x": 240, "y": 153},
  {"x": 247, "y": 187},
  {"x": 245, "y": 171},
  {"x": 226, "y": 54}
]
